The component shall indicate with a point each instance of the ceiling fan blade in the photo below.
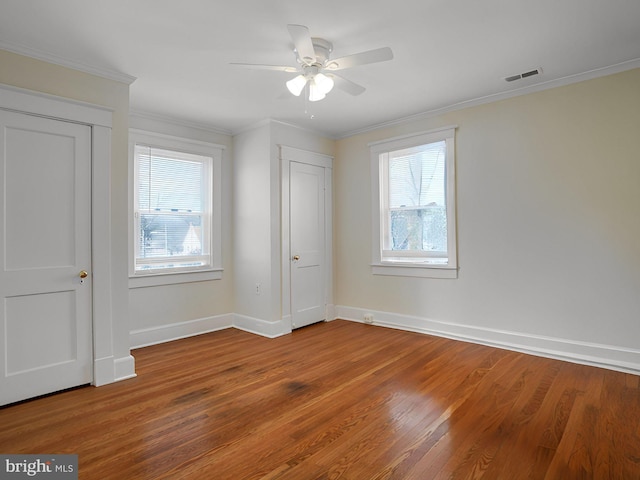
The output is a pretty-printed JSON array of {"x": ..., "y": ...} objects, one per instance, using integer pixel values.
[
  {"x": 280, "y": 68},
  {"x": 370, "y": 56},
  {"x": 347, "y": 85},
  {"x": 302, "y": 41}
]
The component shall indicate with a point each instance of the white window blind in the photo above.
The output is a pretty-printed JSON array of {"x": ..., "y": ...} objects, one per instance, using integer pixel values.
[
  {"x": 173, "y": 214},
  {"x": 416, "y": 216}
]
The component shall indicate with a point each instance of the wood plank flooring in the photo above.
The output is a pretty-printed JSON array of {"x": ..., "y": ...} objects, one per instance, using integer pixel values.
[{"x": 340, "y": 400}]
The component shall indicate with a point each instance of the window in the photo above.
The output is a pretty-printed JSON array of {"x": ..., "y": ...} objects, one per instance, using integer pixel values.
[
  {"x": 176, "y": 210},
  {"x": 414, "y": 205}
]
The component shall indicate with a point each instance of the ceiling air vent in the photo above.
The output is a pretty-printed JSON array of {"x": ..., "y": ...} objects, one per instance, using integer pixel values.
[{"x": 530, "y": 73}]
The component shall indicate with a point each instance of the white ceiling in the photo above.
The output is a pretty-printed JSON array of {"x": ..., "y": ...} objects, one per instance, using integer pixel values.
[{"x": 446, "y": 52}]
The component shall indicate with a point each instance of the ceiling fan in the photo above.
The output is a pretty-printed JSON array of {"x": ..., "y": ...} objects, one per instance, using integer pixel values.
[{"x": 317, "y": 69}]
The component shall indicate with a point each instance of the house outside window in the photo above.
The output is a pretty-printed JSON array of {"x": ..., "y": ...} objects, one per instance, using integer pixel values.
[
  {"x": 175, "y": 214},
  {"x": 414, "y": 221}
]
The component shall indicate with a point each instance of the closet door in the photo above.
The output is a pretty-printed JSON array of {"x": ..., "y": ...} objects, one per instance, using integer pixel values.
[
  {"x": 45, "y": 256},
  {"x": 307, "y": 230}
]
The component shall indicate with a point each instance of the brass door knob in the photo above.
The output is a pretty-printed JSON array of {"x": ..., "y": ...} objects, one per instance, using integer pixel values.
[
  {"x": 296, "y": 258},
  {"x": 83, "y": 274}
]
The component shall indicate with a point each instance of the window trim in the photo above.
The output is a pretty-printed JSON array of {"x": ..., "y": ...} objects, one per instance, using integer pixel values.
[
  {"x": 419, "y": 265},
  {"x": 178, "y": 274}
]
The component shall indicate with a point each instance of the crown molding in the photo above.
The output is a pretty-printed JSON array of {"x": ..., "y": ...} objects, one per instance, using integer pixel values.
[
  {"x": 178, "y": 122},
  {"x": 494, "y": 97},
  {"x": 65, "y": 62},
  {"x": 271, "y": 121}
]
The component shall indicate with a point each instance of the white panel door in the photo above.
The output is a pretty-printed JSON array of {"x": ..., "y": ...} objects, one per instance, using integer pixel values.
[
  {"x": 307, "y": 231},
  {"x": 45, "y": 245}
]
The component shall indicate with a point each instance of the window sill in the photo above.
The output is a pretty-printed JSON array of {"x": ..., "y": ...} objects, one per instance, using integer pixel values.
[
  {"x": 154, "y": 280},
  {"x": 414, "y": 270}
]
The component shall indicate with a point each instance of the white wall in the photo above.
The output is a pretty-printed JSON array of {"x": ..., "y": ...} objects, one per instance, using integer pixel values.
[
  {"x": 257, "y": 224},
  {"x": 251, "y": 246},
  {"x": 548, "y": 226},
  {"x": 252, "y": 234}
]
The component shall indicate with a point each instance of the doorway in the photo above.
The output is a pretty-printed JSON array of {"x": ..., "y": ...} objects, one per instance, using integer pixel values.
[
  {"x": 307, "y": 236},
  {"x": 106, "y": 365}
]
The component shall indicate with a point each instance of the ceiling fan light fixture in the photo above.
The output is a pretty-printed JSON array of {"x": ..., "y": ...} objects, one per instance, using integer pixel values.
[
  {"x": 324, "y": 83},
  {"x": 295, "y": 85},
  {"x": 315, "y": 92}
]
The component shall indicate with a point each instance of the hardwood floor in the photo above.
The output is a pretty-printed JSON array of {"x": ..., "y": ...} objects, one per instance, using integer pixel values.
[{"x": 340, "y": 400}]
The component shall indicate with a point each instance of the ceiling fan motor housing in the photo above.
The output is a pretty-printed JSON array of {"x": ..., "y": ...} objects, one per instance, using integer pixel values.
[{"x": 322, "y": 48}]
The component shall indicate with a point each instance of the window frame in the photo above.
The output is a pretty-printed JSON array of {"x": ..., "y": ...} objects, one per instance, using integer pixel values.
[
  {"x": 405, "y": 263},
  {"x": 173, "y": 275}
]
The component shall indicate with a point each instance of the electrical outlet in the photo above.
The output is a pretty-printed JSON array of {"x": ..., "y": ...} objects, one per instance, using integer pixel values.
[
  {"x": 368, "y": 318},
  {"x": 258, "y": 289}
]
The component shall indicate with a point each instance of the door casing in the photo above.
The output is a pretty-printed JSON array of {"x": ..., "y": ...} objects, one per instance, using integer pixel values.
[
  {"x": 106, "y": 367},
  {"x": 288, "y": 155}
]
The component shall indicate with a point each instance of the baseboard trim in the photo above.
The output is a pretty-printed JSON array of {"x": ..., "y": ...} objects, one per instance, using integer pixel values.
[
  {"x": 598, "y": 355},
  {"x": 166, "y": 333},
  {"x": 261, "y": 327},
  {"x": 124, "y": 368},
  {"x": 103, "y": 371}
]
